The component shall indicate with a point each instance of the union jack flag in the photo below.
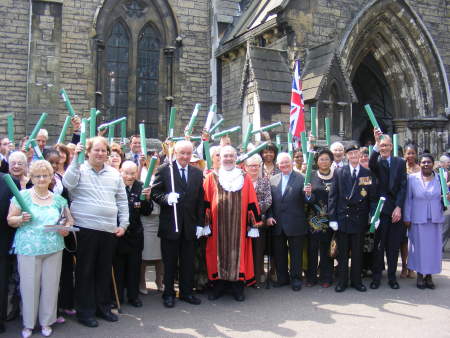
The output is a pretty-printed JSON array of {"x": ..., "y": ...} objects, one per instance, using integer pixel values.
[{"x": 297, "y": 115}]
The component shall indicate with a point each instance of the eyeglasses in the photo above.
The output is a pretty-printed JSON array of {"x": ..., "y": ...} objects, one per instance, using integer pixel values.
[
  {"x": 41, "y": 177},
  {"x": 18, "y": 164},
  {"x": 253, "y": 165}
]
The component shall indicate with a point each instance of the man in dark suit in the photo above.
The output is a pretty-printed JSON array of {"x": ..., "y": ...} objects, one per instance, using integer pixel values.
[
  {"x": 391, "y": 177},
  {"x": 351, "y": 197},
  {"x": 188, "y": 199},
  {"x": 287, "y": 215},
  {"x": 6, "y": 238}
]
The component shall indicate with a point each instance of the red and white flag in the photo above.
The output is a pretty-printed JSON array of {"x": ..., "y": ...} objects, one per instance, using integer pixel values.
[{"x": 297, "y": 115}]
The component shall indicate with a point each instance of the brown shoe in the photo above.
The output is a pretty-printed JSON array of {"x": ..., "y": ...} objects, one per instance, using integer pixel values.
[
  {"x": 411, "y": 274},
  {"x": 404, "y": 273}
]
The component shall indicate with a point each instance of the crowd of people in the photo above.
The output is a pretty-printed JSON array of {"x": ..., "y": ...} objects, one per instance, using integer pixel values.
[{"x": 78, "y": 237}]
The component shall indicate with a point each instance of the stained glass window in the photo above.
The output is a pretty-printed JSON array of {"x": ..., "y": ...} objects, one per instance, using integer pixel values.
[
  {"x": 117, "y": 52},
  {"x": 147, "y": 77}
]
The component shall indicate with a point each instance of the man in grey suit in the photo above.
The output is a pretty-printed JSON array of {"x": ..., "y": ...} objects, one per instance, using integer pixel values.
[{"x": 287, "y": 216}]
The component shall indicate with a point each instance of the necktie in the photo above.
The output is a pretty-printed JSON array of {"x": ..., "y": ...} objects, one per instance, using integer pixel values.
[
  {"x": 354, "y": 175},
  {"x": 183, "y": 176},
  {"x": 136, "y": 159}
]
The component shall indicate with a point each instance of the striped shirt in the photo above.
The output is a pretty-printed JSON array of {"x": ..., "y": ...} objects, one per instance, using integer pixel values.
[{"x": 97, "y": 197}]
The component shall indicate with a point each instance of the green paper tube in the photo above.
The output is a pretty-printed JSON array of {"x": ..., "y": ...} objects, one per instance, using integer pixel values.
[
  {"x": 304, "y": 142},
  {"x": 309, "y": 168},
  {"x": 217, "y": 125},
  {"x": 66, "y": 100},
  {"x": 327, "y": 131},
  {"x": 81, "y": 155},
  {"x": 113, "y": 123},
  {"x": 247, "y": 137},
  {"x": 226, "y": 132},
  {"x": 266, "y": 128},
  {"x": 209, "y": 119},
  {"x": 123, "y": 130},
  {"x": 314, "y": 122},
  {"x": 173, "y": 112},
  {"x": 370, "y": 150},
  {"x": 148, "y": 177},
  {"x": 444, "y": 186},
  {"x": 93, "y": 122},
  {"x": 207, "y": 154},
  {"x": 62, "y": 136},
  {"x": 181, "y": 138},
  {"x": 143, "y": 138},
  {"x": 376, "y": 215},
  {"x": 13, "y": 187},
  {"x": 37, "y": 150},
  {"x": 256, "y": 150},
  {"x": 289, "y": 140},
  {"x": 10, "y": 127},
  {"x": 36, "y": 129},
  {"x": 111, "y": 129},
  {"x": 371, "y": 115},
  {"x": 395, "y": 144},
  {"x": 194, "y": 115},
  {"x": 278, "y": 142}
]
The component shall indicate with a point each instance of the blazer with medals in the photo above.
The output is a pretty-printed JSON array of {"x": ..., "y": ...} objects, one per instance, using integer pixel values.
[
  {"x": 288, "y": 209},
  {"x": 391, "y": 180},
  {"x": 350, "y": 203},
  {"x": 190, "y": 206}
]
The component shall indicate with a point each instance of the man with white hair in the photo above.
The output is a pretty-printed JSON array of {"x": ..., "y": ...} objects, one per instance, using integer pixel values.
[
  {"x": 337, "y": 148},
  {"x": 41, "y": 140},
  {"x": 232, "y": 212},
  {"x": 178, "y": 245}
]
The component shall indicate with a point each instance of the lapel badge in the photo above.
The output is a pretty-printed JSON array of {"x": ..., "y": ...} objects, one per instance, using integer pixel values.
[{"x": 363, "y": 192}]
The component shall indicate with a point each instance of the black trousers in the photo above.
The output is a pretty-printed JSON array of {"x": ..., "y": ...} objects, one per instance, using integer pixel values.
[
  {"x": 220, "y": 286},
  {"x": 180, "y": 252},
  {"x": 281, "y": 244},
  {"x": 259, "y": 246},
  {"x": 388, "y": 237},
  {"x": 5, "y": 272},
  {"x": 346, "y": 243},
  {"x": 93, "y": 271},
  {"x": 320, "y": 244},
  {"x": 67, "y": 282},
  {"x": 127, "y": 269}
]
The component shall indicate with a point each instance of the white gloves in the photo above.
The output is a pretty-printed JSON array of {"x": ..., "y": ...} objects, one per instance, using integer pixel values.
[
  {"x": 253, "y": 233},
  {"x": 199, "y": 232},
  {"x": 206, "y": 231},
  {"x": 377, "y": 223},
  {"x": 172, "y": 198},
  {"x": 334, "y": 225}
]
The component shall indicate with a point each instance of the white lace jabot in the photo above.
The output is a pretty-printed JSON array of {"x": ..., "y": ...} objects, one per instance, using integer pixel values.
[{"x": 231, "y": 180}]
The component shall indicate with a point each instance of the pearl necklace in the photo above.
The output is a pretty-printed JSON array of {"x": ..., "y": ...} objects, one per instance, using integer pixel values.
[{"x": 41, "y": 197}]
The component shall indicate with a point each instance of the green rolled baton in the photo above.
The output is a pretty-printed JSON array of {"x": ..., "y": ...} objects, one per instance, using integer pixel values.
[
  {"x": 13, "y": 187},
  {"x": 62, "y": 136},
  {"x": 93, "y": 122},
  {"x": 81, "y": 155},
  {"x": 267, "y": 128},
  {"x": 314, "y": 121},
  {"x": 123, "y": 131},
  {"x": 252, "y": 152},
  {"x": 106, "y": 125},
  {"x": 66, "y": 100},
  {"x": 376, "y": 215},
  {"x": 143, "y": 138},
  {"x": 194, "y": 115},
  {"x": 304, "y": 143},
  {"x": 207, "y": 154},
  {"x": 148, "y": 177},
  {"x": 278, "y": 142},
  {"x": 444, "y": 187},
  {"x": 226, "y": 132},
  {"x": 210, "y": 117},
  {"x": 173, "y": 112},
  {"x": 111, "y": 129},
  {"x": 217, "y": 125},
  {"x": 10, "y": 127},
  {"x": 370, "y": 150},
  {"x": 395, "y": 144},
  {"x": 247, "y": 137},
  {"x": 181, "y": 138},
  {"x": 327, "y": 131},
  {"x": 371, "y": 115},
  {"x": 309, "y": 168},
  {"x": 36, "y": 129},
  {"x": 36, "y": 149},
  {"x": 289, "y": 140}
]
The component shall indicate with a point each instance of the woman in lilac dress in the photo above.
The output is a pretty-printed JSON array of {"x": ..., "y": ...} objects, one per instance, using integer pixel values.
[{"x": 424, "y": 216}]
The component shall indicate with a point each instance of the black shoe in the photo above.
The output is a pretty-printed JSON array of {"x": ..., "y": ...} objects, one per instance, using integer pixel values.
[
  {"x": 135, "y": 302},
  {"x": 2, "y": 327},
  {"x": 360, "y": 287},
  {"x": 108, "y": 316},
  {"x": 239, "y": 297},
  {"x": 429, "y": 282},
  {"x": 169, "y": 301},
  {"x": 394, "y": 285},
  {"x": 375, "y": 284},
  {"x": 89, "y": 322},
  {"x": 340, "y": 288},
  {"x": 279, "y": 285},
  {"x": 296, "y": 285},
  {"x": 191, "y": 299}
]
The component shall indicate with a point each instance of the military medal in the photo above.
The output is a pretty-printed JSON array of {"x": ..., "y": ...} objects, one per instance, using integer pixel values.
[{"x": 363, "y": 192}]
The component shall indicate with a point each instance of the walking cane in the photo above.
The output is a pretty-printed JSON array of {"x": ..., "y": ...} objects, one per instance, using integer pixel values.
[{"x": 116, "y": 294}]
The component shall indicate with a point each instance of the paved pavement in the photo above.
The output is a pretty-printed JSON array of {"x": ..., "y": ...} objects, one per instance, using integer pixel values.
[{"x": 312, "y": 312}]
